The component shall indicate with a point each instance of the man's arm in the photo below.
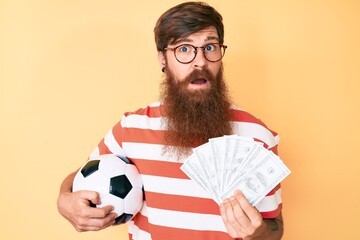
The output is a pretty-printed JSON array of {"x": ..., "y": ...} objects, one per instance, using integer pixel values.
[
  {"x": 242, "y": 220},
  {"x": 275, "y": 227},
  {"x": 75, "y": 207}
]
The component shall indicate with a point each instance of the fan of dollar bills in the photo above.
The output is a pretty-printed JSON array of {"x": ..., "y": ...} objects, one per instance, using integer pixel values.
[{"x": 227, "y": 163}]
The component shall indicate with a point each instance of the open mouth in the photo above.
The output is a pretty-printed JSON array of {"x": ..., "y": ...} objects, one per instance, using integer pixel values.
[{"x": 199, "y": 81}]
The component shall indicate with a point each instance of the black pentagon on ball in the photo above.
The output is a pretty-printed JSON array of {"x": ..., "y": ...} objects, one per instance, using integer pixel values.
[
  {"x": 90, "y": 167},
  {"x": 123, "y": 218},
  {"x": 120, "y": 186}
]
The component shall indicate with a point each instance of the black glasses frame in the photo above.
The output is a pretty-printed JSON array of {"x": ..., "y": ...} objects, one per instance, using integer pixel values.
[{"x": 196, "y": 50}]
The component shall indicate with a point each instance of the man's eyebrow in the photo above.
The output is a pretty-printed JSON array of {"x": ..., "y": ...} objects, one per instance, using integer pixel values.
[
  {"x": 187, "y": 40},
  {"x": 212, "y": 38}
]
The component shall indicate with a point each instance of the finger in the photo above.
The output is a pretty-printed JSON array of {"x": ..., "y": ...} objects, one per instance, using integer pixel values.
[
  {"x": 223, "y": 209},
  {"x": 95, "y": 224},
  {"x": 99, "y": 212},
  {"x": 105, "y": 222},
  {"x": 251, "y": 212},
  {"x": 242, "y": 220},
  {"x": 88, "y": 211},
  {"x": 91, "y": 196}
]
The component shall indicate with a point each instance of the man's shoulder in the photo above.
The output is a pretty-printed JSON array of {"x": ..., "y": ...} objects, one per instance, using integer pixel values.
[
  {"x": 246, "y": 124},
  {"x": 152, "y": 110},
  {"x": 240, "y": 115}
]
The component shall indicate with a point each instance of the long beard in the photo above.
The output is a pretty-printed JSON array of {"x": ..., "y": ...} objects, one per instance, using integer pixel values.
[{"x": 193, "y": 117}]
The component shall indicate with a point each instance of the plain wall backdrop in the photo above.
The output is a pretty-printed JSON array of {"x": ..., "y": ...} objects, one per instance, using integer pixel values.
[{"x": 70, "y": 69}]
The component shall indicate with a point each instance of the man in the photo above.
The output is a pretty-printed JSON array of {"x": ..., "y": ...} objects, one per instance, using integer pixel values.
[{"x": 194, "y": 107}]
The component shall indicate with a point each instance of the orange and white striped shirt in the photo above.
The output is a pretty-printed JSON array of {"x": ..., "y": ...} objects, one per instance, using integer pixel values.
[{"x": 175, "y": 206}]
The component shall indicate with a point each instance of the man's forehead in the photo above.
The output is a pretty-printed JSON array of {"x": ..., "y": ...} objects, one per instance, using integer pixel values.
[{"x": 204, "y": 35}]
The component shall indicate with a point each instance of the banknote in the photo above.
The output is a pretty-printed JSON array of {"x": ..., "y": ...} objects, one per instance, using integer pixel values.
[
  {"x": 231, "y": 162},
  {"x": 244, "y": 149},
  {"x": 192, "y": 168},
  {"x": 207, "y": 163},
  {"x": 218, "y": 150},
  {"x": 259, "y": 180}
]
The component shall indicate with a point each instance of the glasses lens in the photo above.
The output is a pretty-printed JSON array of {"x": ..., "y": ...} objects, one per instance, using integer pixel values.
[
  {"x": 185, "y": 53},
  {"x": 214, "y": 52}
]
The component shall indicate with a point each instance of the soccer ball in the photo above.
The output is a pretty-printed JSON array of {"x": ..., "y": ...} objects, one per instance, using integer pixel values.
[{"x": 117, "y": 181}]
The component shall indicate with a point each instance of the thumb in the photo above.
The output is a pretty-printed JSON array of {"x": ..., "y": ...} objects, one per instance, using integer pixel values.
[{"x": 91, "y": 196}]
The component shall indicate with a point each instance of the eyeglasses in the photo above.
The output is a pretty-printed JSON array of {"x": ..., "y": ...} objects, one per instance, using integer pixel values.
[{"x": 186, "y": 53}]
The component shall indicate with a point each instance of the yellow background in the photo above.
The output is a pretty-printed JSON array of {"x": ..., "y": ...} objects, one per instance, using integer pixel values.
[{"x": 69, "y": 69}]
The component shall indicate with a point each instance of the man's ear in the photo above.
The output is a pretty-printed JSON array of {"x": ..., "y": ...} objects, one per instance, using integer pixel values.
[{"x": 162, "y": 59}]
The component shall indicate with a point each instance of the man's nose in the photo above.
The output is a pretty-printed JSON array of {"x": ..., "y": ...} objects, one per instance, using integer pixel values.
[{"x": 200, "y": 61}]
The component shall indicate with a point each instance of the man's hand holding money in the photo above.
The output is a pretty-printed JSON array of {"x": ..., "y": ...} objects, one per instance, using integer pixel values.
[
  {"x": 230, "y": 164},
  {"x": 242, "y": 220}
]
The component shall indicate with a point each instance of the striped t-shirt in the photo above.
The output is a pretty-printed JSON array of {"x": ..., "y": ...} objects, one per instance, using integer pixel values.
[{"x": 175, "y": 207}]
